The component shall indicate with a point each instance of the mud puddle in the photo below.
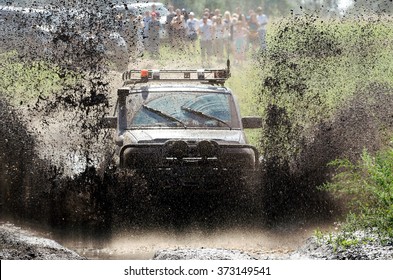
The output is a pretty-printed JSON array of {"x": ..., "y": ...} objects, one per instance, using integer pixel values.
[{"x": 143, "y": 244}]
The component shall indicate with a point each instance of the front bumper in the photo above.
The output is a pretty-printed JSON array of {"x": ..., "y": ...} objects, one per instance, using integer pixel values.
[
  {"x": 198, "y": 166},
  {"x": 202, "y": 155}
]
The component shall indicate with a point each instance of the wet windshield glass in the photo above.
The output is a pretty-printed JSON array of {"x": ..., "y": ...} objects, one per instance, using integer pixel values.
[{"x": 182, "y": 109}]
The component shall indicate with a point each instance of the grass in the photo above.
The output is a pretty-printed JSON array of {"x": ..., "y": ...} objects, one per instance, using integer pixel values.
[
  {"x": 22, "y": 82},
  {"x": 367, "y": 185}
]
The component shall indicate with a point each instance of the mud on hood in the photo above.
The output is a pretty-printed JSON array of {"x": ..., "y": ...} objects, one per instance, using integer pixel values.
[{"x": 162, "y": 135}]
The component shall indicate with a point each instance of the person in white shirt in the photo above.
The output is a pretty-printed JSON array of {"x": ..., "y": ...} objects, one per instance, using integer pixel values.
[
  {"x": 192, "y": 31},
  {"x": 228, "y": 28},
  {"x": 206, "y": 36}
]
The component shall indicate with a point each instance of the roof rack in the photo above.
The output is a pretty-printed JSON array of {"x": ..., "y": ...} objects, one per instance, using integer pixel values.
[{"x": 209, "y": 76}]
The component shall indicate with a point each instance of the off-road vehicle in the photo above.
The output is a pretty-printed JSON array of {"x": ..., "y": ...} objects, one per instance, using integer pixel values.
[{"x": 182, "y": 129}]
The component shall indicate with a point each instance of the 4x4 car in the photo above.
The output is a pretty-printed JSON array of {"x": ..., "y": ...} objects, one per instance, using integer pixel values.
[{"x": 183, "y": 131}]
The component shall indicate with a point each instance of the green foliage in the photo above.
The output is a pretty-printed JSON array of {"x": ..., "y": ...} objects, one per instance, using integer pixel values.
[
  {"x": 368, "y": 187},
  {"x": 22, "y": 82},
  {"x": 312, "y": 67}
]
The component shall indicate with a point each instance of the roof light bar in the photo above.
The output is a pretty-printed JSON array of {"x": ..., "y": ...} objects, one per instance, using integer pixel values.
[
  {"x": 144, "y": 75},
  {"x": 211, "y": 76},
  {"x": 155, "y": 74},
  {"x": 220, "y": 74}
]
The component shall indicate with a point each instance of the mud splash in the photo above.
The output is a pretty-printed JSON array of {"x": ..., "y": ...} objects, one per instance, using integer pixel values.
[
  {"x": 94, "y": 201},
  {"x": 51, "y": 149},
  {"x": 297, "y": 143}
]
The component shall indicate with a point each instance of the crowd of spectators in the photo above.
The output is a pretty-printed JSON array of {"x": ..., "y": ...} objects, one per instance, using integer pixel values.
[{"x": 227, "y": 35}]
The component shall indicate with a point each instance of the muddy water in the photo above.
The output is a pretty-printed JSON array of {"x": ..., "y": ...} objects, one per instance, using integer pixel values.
[{"x": 140, "y": 244}]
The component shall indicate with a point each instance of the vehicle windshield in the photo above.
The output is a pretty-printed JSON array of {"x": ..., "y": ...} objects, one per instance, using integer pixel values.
[{"x": 182, "y": 110}]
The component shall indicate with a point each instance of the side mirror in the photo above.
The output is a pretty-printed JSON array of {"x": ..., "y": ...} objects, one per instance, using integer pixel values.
[
  {"x": 109, "y": 122},
  {"x": 252, "y": 122}
]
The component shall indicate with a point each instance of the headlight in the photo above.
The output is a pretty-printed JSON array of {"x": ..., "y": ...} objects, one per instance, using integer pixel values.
[
  {"x": 207, "y": 149},
  {"x": 177, "y": 149}
]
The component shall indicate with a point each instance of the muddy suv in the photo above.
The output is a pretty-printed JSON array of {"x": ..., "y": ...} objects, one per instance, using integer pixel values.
[{"x": 182, "y": 128}]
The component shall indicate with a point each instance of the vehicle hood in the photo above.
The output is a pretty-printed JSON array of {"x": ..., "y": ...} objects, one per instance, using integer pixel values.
[{"x": 162, "y": 135}]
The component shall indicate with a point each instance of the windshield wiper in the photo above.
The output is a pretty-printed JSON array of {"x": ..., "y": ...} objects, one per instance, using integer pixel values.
[
  {"x": 199, "y": 113},
  {"x": 164, "y": 115}
]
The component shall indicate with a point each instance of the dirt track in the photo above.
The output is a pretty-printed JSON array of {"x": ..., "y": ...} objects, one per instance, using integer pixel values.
[{"x": 26, "y": 243}]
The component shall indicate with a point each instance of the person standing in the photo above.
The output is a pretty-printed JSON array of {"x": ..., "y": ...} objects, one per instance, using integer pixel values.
[
  {"x": 240, "y": 33},
  {"x": 179, "y": 27},
  {"x": 262, "y": 21},
  {"x": 253, "y": 27},
  {"x": 218, "y": 40},
  {"x": 192, "y": 31},
  {"x": 169, "y": 27},
  {"x": 154, "y": 26},
  {"x": 206, "y": 37},
  {"x": 227, "y": 41}
]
